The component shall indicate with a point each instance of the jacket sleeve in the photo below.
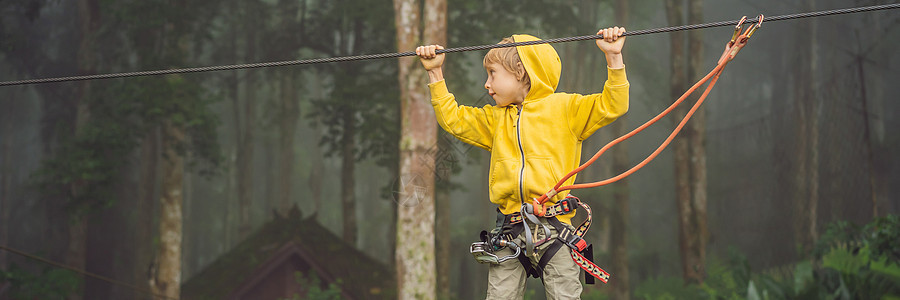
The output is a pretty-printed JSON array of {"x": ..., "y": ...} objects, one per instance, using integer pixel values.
[
  {"x": 588, "y": 113},
  {"x": 472, "y": 125}
]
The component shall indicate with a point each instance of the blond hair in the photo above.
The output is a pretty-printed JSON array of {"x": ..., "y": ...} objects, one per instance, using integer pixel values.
[{"x": 508, "y": 57}]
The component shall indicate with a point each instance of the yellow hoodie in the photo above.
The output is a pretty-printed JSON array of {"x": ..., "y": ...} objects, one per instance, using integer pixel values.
[{"x": 533, "y": 148}]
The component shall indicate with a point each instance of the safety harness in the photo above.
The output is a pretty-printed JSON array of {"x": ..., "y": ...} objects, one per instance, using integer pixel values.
[{"x": 511, "y": 226}]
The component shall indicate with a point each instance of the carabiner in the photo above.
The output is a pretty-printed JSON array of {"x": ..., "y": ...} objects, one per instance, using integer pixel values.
[
  {"x": 738, "y": 28},
  {"x": 483, "y": 253},
  {"x": 756, "y": 26}
]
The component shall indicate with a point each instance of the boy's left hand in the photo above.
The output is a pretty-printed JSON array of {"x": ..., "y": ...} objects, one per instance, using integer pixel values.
[{"x": 612, "y": 41}]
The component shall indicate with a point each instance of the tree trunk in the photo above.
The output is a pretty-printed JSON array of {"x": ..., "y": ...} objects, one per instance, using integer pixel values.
[
  {"x": 415, "y": 265},
  {"x": 677, "y": 84},
  {"x": 348, "y": 178},
  {"x": 316, "y": 173},
  {"x": 289, "y": 114},
  {"x": 689, "y": 155},
  {"x": 806, "y": 177},
  {"x": 187, "y": 238},
  {"x": 867, "y": 133},
  {"x": 619, "y": 216},
  {"x": 245, "y": 161},
  {"x": 436, "y": 33},
  {"x": 5, "y": 174},
  {"x": 697, "y": 145},
  {"x": 234, "y": 94},
  {"x": 167, "y": 280},
  {"x": 317, "y": 167},
  {"x": 76, "y": 255},
  {"x": 814, "y": 130},
  {"x": 442, "y": 239},
  {"x": 246, "y": 141},
  {"x": 143, "y": 235}
]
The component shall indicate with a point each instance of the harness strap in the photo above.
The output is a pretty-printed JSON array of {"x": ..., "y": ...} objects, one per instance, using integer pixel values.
[
  {"x": 531, "y": 240},
  {"x": 583, "y": 228},
  {"x": 589, "y": 254},
  {"x": 562, "y": 207},
  {"x": 581, "y": 252},
  {"x": 551, "y": 251},
  {"x": 589, "y": 267},
  {"x": 530, "y": 270}
]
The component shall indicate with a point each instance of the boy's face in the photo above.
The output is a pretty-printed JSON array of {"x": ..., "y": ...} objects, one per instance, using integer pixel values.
[{"x": 504, "y": 86}]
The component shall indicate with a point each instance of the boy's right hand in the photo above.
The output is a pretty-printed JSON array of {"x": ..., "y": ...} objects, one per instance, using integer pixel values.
[{"x": 430, "y": 59}]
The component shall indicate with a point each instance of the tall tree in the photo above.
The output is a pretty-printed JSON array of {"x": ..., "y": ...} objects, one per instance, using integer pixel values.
[
  {"x": 436, "y": 33},
  {"x": 348, "y": 173},
  {"x": 415, "y": 265},
  {"x": 89, "y": 15},
  {"x": 619, "y": 216},
  {"x": 289, "y": 106},
  {"x": 805, "y": 192},
  {"x": 170, "y": 115},
  {"x": 861, "y": 61},
  {"x": 689, "y": 149},
  {"x": 5, "y": 180},
  {"x": 245, "y": 114},
  {"x": 697, "y": 144},
  {"x": 167, "y": 280},
  {"x": 356, "y": 112},
  {"x": 148, "y": 186}
]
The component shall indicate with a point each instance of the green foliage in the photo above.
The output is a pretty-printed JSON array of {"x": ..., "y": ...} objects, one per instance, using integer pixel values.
[
  {"x": 594, "y": 294},
  {"x": 86, "y": 167},
  {"x": 49, "y": 283},
  {"x": 850, "y": 262},
  {"x": 363, "y": 97},
  {"x": 667, "y": 288},
  {"x": 359, "y": 105},
  {"x": 314, "y": 288},
  {"x": 862, "y": 262}
]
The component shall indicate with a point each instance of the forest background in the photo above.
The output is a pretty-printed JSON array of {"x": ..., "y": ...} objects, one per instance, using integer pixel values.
[{"x": 795, "y": 137}]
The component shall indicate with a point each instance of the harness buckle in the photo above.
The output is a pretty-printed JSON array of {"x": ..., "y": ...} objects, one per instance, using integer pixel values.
[
  {"x": 567, "y": 204},
  {"x": 576, "y": 242}
]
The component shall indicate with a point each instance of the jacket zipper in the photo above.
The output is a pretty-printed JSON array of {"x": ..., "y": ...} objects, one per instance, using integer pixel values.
[{"x": 521, "y": 155}]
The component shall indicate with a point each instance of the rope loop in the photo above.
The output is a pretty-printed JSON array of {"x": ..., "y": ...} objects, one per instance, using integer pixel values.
[{"x": 731, "y": 49}]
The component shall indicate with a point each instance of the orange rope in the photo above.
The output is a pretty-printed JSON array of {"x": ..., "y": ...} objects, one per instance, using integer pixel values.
[{"x": 731, "y": 50}]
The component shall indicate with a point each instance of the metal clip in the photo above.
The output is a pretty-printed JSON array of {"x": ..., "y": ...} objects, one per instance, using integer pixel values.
[
  {"x": 482, "y": 251},
  {"x": 738, "y": 28},
  {"x": 754, "y": 27}
]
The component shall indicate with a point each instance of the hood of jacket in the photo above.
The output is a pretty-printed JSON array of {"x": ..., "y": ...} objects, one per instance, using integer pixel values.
[{"x": 542, "y": 64}]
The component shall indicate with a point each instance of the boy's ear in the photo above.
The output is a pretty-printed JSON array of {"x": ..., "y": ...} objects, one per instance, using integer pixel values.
[{"x": 520, "y": 72}]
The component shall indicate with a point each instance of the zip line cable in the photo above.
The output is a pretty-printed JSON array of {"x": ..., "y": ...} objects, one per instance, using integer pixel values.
[
  {"x": 713, "y": 75},
  {"x": 448, "y": 50},
  {"x": 83, "y": 272}
]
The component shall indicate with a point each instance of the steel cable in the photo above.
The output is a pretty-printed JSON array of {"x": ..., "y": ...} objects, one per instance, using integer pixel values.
[{"x": 448, "y": 50}]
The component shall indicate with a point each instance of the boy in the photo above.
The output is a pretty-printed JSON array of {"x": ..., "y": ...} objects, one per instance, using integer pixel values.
[{"x": 534, "y": 136}]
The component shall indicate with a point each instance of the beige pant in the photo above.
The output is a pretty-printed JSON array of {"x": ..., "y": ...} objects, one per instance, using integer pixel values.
[{"x": 561, "y": 275}]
